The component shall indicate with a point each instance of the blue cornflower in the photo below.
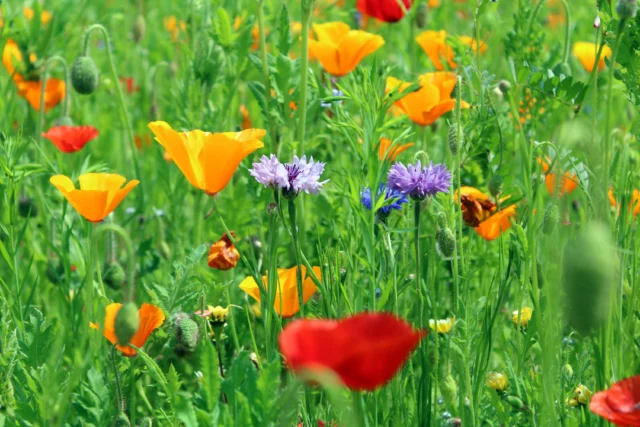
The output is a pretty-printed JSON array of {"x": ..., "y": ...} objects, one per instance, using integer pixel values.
[
  {"x": 393, "y": 200},
  {"x": 419, "y": 181}
]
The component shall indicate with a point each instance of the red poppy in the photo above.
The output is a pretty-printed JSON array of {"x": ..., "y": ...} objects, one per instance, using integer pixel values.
[
  {"x": 384, "y": 10},
  {"x": 129, "y": 85},
  {"x": 365, "y": 351},
  {"x": 620, "y": 404},
  {"x": 70, "y": 139}
]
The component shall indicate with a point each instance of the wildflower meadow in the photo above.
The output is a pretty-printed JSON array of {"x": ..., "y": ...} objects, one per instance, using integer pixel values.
[{"x": 319, "y": 213}]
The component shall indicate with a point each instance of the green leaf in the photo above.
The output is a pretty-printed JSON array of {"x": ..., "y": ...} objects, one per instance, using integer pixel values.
[
  {"x": 284, "y": 35},
  {"x": 210, "y": 375},
  {"x": 223, "y": 28},
  {"x": 173, "y": 382}
]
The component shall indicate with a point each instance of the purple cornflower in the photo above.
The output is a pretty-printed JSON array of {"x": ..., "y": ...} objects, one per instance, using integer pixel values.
[
  {"x": 393, "y": 200},
  {"x": 270, "y": 173},
  {"x": 419, "y": 181},
  {"x": 303, "y": 176}
]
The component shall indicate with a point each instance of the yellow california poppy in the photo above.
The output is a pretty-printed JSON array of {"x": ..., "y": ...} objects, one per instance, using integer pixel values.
[
  {"x": 207, "y": 160},
  {"x": 340, "y": 49},
  {"x": 442, "y": 326},
  {"x": 586, "y": 53},
  {"x": 99, "y": 193},
  {"x": 435, "y": 45}
]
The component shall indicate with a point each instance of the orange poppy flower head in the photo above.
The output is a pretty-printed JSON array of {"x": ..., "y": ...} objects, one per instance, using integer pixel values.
[
  {"x": 389, "y": 151},
  {"x": 586, "y": 53},
  {"x": 29, "y": 13},
  {"x": 634, "y": 204},
  {"x": 430, "y": 101},
  {"x": 479, "y": 212},
  {"x": 223, "y": 255},
  {"x": 174, "y": 27},
  {"x": 339, "y": 49},
  {"x": 434, "y": 44},
  {"x": 207, "y": 160},
  {"x": 99, "y": 193},
  {"x": 568, "y": 182},
  {"x": 286, "y": 302},
  {"x": 151, "y": 318},
  {"x": 70, "y": 139}
]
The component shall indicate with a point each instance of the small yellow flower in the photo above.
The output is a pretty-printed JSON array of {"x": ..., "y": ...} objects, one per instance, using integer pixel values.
[
  {"x": 442, "y": 326},
  {"x": 524, "y": 320},
  {"x": 218, "y": 314},
  {"x": 497, "y": 381},
  {"x": 581, "y": 396}
]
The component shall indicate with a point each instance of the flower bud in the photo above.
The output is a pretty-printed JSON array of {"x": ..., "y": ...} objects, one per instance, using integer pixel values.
[
  {"x": 27, "y": 208},
  {"x": 84, "y": 75},
  {"x": 454, "y": 144},
  {"x": 165, "y": 251},
  {"x": 187, "y": 332},
  {"x": 121, "y": 420},
  {"x": 114, "y": 275},
  {"x": 515, "y": 402},
  {"x": 127, "y": 323},
  {"x": 139, "y": 28},
  {"x": 627, "y": 9},
  {"x": 567, "y": 369},
  {"x": 421, "y": 15},
  {"x": 588, "y": 272},
  {"x": 446, "y": 243},
  {"x": 495, "y": 185},
  {"x": 551, "y": 219}
]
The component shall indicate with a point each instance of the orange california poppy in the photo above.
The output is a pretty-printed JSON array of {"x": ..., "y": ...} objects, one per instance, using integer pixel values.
[
  {"x": 569, "y": 181},
  {"x": 246, "y": 118},
  {"x": 340, "y": 49},
  {"x": 633, "y": 203},
  {"x": 586, "y": 53},
  {"x": 430, "y": 101},
  {"x": 287, "y": 291},
  {"x": 207, "y": 160},
  {"x": 223, "y": 255},
  {"x": 151, "y": 318},
  {"x": 479, "y": 212},
  {"x": 388, "y": 150},
  {"x": 99, "y": 193},
  {"x": 29, "y": 13},
  {"x": 174, "y": 26},
  {"x": 434, "y": 44}
]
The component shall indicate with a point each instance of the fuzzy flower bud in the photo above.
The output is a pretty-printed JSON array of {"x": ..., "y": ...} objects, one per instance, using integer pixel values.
[
  {"x": 84, "y": 75},
  {"x": 446, "y": 243},
  {"x": 121, "y": 420},
  {"x": 454, "y": 144},
  {"x": 551, "y": 219},
  {"x": 127, "y": 323},
  {"x": 139, "y": 29},
  {"x": 421, "y": 16},
  {"x": 187, "y": 332},
  {"x": 114, "y": 275},
  {"x": 627, "y": 9},
  {"x": 449, "y": 390}
]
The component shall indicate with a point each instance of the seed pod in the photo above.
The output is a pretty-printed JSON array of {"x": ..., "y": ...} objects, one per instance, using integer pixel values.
[
  {"x": 588, "y": 272},
  {"x": 114, "y": 275},
  {"x": 515, "y": 402},
  {"x": 121, "y": 420},
  {"x": 495, "y": 185},
  {"x": 187, "y": 332},
  {"x": 27, "y": 208},
  {"x": 139, "y": 28},
  {"x": 127, "y": 323},
  {"x": 454, "y": 144},
  {"x": 551, "y": 219},
  {"x": 84, "y": 75},
  {"x": 627, "y": 9},
  {"x": 421, "y": 16},
  {"x": 446, "y": 243}
]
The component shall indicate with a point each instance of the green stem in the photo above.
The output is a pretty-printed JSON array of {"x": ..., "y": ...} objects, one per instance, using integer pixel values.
[
  {"x": 304, "y": 67},
  {"x": 265, "y": 72},
  {"x": 131, "y": 295},
  {"x": 567, "y": 32},
  {"x": 43, "y": 85},
  {"x": 89, "y": 272},
  {"x": 116, "y": 374},
  {"x": 296, "y": 248}
]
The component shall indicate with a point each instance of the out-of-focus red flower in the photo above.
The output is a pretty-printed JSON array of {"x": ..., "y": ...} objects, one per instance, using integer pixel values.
[
  {"x": 129, "y": 85},
  {"x": 384, "y": 10},
  {"x": 620, "y": 404},
  {"x": 70, "y": 139},
  {"x": 365, "y": 351}
]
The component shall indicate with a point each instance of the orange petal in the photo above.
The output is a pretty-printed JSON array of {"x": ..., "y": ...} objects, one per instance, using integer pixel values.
[
  {"x": 183, "y": 152},
  {"x": 151, "y": 318},
  {"x": 496, "y": 224}
]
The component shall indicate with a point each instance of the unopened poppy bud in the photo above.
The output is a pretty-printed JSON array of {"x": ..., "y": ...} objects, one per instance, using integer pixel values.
[
  {"x": 504, "y": 86},
  {"x": 588, "y": 272},
  {"x": 165, "y": 251},
  {"x": 146, "y": 422},
  {"x": 121, "y": 420},
  {"x": 27, "y": 208},
  {"x": 515, "y": 402},
  {"x": 627, "y": 9},
  {"x": 551, "y": 219},
  {"x": 187, "y": 332},
  {"x": 84, "y": 75},
  {"x": 597, "y": 22},
  {"x": 446, "y": 243},
  {"x": 127, "y": 323},
  {"x": 454, "y": 143},
  {"x": 114, "y": 275},
  {"x": 421, "y": 16},
  {"x": 449, "y": 390},
  {"x": 139, "y": 28},
  {"x": 64, "y": 121},
  {"x": 568, "y": 370}
]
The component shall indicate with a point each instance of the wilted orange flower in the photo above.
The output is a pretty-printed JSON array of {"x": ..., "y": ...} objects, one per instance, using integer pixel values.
[
  {"x": 286, "y": 303},
  {"x": 434, "y": 43},
  {"x": 568, "y": 183},
  {"x": 340, "y": 49},
  {"x": 99, "y": 193},
  {"x": 430, "y": 101},
  {"x": 246, "y": 118},
  {"x": 174, "y": 26},
  {"x": 151, "y": 318},
  {"x": 31, "y": 89},
  {"x": 586, "y": 53},
  {"x": 207, "y": 160},
  {"x": 633, "y": 204},
  {"x": 223, "y": 255},
  {"x": 479, "y": 212},
  {"x": 386, "y": 149}
]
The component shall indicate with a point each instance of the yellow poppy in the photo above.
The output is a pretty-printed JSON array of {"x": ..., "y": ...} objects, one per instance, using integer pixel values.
[
  {"x": 442, "y": 326},
  {"x": 522, "y": 320},
  {"x": 99, "y": 193},
  {"x": 479, "y": 212},
  {"x": 151, "y": 318},
  {"x": 430, "y": 101},
  {"x": 207, "y": 160},
  {"x": 286, "y": 302},
  {"x": 568, "y": 182},
  {"x": 339, "y": 49},
  {"x": 387, "y": 150},
  {"x": 586, "y": 53},
  {"x": 434, "y": 44}
]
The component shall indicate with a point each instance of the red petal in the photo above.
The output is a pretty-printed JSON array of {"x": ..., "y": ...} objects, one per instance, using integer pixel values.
[
  {"x": 619, "y": 404},
  {"x": 69, "y": 139},
  {"x": 384, "y": 10},
  {"x": 365, "y": 350}
]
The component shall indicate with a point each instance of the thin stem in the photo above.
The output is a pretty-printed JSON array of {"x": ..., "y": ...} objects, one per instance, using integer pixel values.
[
  {"x": 567, "y": 32},
  {"x": 304, "y": 67},
  {"x": 116, "y": 374},
  {"x": 89, "y": 271},
  {"x": 43, "y": 85},
  {"x": 265, "y": 72},
  {"x": 296, "y": 248}
]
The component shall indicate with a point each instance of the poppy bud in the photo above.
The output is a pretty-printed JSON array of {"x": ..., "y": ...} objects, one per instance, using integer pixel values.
[
  {"x": 64, "y": 121},
  {"x": 627, "y": 9},
  {"x": 187, "y": 332},
  {"x": 165, "y": 251},
  {"x": 127, "y": 323},
  {"x": 515, "y": 402},
  {"x": 121, "y": 420},
  {"x": 504, "y": 86},
  {"x": 495, "y": 185},
  {"x": 588, "y": 272},
  {"x": 146, "y": 422},
  {"x": 446, "y": 243},
  {"x": 453, "y": 138},
  {"x": 114, "y": 275},
  {"x": 568, "y": 370},
  {"x": 84, "y": 75},
  {"x": 27, "y": 208},
  {"x": 551, "y": 219},
  {"x": 139, "y": 29},
  {"x": 449, "y": 390},
  {"x": 421, "y": 16}
]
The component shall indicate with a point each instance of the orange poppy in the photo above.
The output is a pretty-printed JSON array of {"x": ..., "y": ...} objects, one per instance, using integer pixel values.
[
  {"x": 287, "y": 291},
  {"x": 479, "y": 212},
  {"x": 223, "y": 255},
  {"x": 207, "y": 160},
  {"x": 430, "y": 101},
  {"x": 246, "y": 118},
  {"x": 387, "y": 150},
  {"x": 339, "y": 49},
  {"x": 434, "y": 44},
  {"x": 174, "y": 26},
  {"x": 569, "y": 181},
  {"x": 634, "y": 203},
  {"x": 151, "y": 318},
  {"x": 586, "y": 53},
  {"x": 29, "y": 13},
  {"x": 99, "y": 193}
]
